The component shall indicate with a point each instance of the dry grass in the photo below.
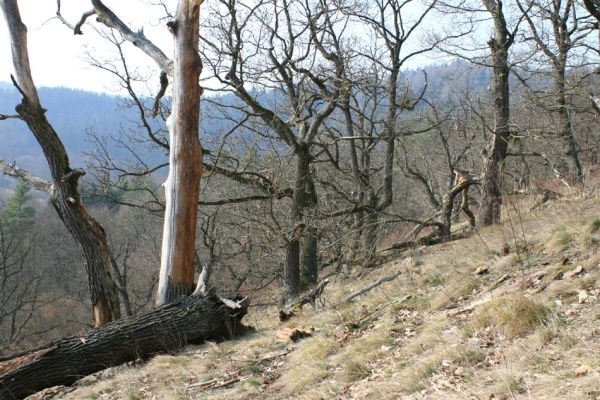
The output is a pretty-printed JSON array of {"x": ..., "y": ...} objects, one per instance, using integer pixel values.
[
  {"x": 512, "y": 315},
  {"x": 402, "y": 339}
]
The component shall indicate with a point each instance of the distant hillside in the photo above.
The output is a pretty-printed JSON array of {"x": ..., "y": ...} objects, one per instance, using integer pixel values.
[
  {"x": 71, "y": 112},
  {"x": 75, "y": 112}
]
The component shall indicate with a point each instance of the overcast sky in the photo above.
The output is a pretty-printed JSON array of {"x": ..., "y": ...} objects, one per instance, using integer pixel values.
[{"x": 58, "y": 58}]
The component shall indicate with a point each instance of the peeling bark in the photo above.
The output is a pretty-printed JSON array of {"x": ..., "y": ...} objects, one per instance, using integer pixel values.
[{"x": 185, "y": 159}]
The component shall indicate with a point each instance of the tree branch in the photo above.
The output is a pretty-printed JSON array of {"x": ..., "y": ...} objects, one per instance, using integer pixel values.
[
  {"x": 30, "y": 179},
  {"x": 110, "y": 19}
]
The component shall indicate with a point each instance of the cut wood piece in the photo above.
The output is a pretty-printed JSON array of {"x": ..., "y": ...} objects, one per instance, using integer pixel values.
[{"x": 165, "y": 329}]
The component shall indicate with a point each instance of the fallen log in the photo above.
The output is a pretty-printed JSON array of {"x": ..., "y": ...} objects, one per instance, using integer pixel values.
[{"x": 189, "y": 320}]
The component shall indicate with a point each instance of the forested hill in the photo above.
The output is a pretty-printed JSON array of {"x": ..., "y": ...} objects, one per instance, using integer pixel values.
[
  {"x": 71, "y": 112},
  {"x": 75, "y": 113}
]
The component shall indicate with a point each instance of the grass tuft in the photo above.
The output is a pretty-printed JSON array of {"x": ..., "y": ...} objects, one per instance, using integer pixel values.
[
  {"x": 595, "y": 225},
  {"x": 512, "y": 315},
  {"x": 355, "y": 370}
]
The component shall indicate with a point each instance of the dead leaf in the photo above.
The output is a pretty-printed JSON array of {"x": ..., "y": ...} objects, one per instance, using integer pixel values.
[
  {"x": 482, "y": 270},
  {"x": 582, "y": 370},
  {"x": 582, "y": 296},
  {"x": 284, "y": 316},
  {"x": 294, "y": 334}
]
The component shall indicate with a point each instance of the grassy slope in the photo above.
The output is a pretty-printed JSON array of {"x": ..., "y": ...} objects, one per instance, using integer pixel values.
[{"x": 440, "y": 331}]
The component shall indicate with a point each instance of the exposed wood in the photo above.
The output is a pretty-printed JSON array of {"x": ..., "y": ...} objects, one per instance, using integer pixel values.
[
  {"x": 138, "y": 39},
  {"x": 182, "y": 186},
  {"x": 497, "y": 289},
  {"x": 462, "y": 183},
  {"x": 428, "y": 240},
  {"x": 192, "y": 319},
  {"x": 25, "y": 176},
  {"x": 64, "y": 193},
  {"x": 369, "y": 287},
  {"x": 202, "y": 287}
]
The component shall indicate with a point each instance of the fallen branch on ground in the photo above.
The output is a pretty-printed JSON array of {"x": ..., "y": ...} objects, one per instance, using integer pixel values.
[{"x": 365, "y": 289}]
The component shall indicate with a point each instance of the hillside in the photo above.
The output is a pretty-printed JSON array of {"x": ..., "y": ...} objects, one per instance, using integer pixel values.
[
  {"x": 511, "y": 312},
  {"x": 75, "y": 114}
]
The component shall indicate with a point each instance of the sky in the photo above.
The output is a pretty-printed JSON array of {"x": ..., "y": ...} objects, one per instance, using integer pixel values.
[{"x": 58, "y": 58}]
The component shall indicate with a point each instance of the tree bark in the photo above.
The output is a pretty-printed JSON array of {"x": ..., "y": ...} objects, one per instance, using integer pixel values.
[
  {"x": 64, "y": 193},
  {"x": 185, "y": 159},
  {"x": 566, "y": 126},
  {"x": 300, "y": 268},
  {"x": 291, "y": 270},
  {"x": 462, "y": 184},
  {"x": 309, "y": 267},
  {"x": 491, "y": 202},
  {"x": 165, "y": 329}
]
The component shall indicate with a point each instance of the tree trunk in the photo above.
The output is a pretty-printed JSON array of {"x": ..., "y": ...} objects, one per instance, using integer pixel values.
[
  {"x": 64, "y": 193},
  {"x": 185, "y": 159},
  {"x": 370, "y": 228},
  {"x": 309, "y": 267},
  {"x": 491, "y": 202},
  {"x": 304, "y": 198},
  {"x": 566, "y": 126},
  {"x": 165, "y": 329},
  {"x": 462, "y": 184}
]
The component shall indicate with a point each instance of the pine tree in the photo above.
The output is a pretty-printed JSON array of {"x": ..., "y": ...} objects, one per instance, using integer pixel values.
[{"x": 16, "y": 213}]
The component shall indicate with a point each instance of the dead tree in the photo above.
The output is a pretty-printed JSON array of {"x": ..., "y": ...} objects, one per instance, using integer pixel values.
[
  {"x": 188, "y": 320},
  {"x": 185, "y": 159},
  {"x": 555, "y": 32},
  {"x": 63, "y": 189},
  {"x": 185, "y": 153}
]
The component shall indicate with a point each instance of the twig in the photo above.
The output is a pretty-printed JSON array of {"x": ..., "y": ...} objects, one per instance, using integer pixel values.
[{"x": 4, "y": 116}]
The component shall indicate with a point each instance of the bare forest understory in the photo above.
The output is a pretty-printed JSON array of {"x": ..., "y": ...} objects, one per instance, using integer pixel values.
[{"x": 511, "y": 312}]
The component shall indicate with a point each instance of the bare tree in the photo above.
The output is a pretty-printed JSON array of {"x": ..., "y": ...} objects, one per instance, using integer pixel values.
[
  {"x": 289, "y": 67},
  {"x": 185, "y": 153},
  {"x": 63, "y": 190},
  {"x": 185, "y": 159},
  {"x": 374, "y": 98},
  {"x": 499, "y": 45},
  {"x": 556, "y": 33},
  {"x": 19, "y": 287}
]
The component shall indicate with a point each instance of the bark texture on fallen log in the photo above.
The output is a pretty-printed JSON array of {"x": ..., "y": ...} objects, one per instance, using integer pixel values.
[{"x": 62, "y": 362}]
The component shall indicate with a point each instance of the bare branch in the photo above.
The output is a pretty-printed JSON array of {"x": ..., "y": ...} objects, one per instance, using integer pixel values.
[{"x": 30, "y": 179}]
